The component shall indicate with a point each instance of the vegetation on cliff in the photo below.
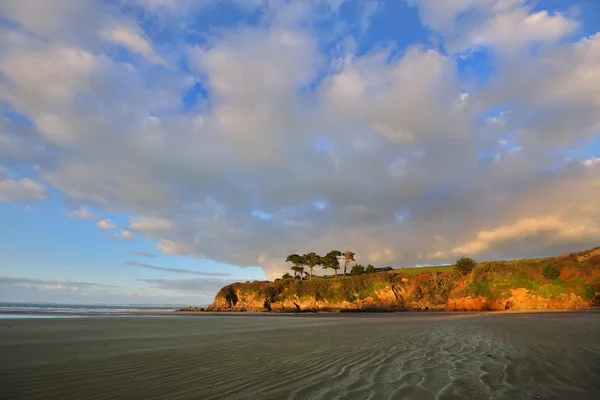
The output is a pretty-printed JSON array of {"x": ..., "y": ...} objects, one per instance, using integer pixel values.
[
  {"x": 564, "y": 282},
  {"x": 330, "y": 261}
]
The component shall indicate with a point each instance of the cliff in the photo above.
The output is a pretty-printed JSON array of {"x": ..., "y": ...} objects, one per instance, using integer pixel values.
[{"x": 564, "y": 282}]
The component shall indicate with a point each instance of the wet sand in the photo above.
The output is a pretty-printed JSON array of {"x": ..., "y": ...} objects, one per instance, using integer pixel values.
[{"x": 391, "y": 356}]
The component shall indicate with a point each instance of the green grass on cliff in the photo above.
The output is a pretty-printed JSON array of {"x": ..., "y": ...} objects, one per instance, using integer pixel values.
[
  {"x": 407, "y": 271},
  {"x": 418, "y": 270}
]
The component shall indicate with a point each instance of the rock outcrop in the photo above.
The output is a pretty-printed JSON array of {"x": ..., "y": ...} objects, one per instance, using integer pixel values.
[
  {"x": 191, "y": 309},
  {"x": 499, "y": 285}
]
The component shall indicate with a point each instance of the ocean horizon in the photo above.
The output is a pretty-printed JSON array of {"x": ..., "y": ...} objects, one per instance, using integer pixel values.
[{"x": 49, "y": 310}]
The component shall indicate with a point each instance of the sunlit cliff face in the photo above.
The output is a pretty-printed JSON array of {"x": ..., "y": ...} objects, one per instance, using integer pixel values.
[{"x": 298, "y": 129}]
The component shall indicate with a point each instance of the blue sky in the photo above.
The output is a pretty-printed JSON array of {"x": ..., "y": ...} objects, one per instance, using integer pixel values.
[{"x": 153, "y": 150}]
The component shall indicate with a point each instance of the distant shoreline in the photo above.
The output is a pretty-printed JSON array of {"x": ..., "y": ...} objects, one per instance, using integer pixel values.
[{"x": 320, "y": 314}]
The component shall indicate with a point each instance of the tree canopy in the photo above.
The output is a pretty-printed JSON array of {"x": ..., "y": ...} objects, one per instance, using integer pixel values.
[
  {"x": 298, "y": 264},
  {"x": 312, "y": 260},
  {"x": 348, "y": 257},
  {"x": 465, "y": 265},
  {"x": 331, "y": 261},
  {"x": 357, "y": 269}
]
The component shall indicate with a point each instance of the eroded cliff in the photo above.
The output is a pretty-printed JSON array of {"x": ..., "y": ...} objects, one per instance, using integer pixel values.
[{"x": 498, "y": 285}]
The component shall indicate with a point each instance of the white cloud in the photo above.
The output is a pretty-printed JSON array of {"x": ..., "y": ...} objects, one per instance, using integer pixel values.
[
  {"x": 43, "y": 75},
  {"x": 150, "y": 224},
  {"x": 125, "y": 235},
  {"x": 552, "y": 228},
  {"x": 560, "y": 87},
  {"x": 57, "y": 19},
  {"x": 397, "y": 99},
  {"x": 255, "y": 106},
  {"x": 287, "y": 127},
  {"x": 24, "y": 189},
  {"x": 133, "y": 41},
  {"x": 106, "y": 224},
  {"x": 505, "y": 25},
  {"x": 80, "y": 213},
  {"x": 385, "y": 255},
  {"x": 173, "y": 247},
  {"x": 591, "y": 162}
]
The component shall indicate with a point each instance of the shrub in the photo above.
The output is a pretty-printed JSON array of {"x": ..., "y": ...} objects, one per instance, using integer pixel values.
[
  {"x": 230, "y": 296},
  {"x": 357, "y": 270},
  {"x": 417, "y": 294},
  {"x": 439, "y": 288},
  {"x": 480, "y": 288},
  {"x": 267, "y": 305},
  {"x": 551, "y": 271},
  {"x": 270, "y": 292},
  {"x": 503, "y": 268},
  {"x": 286, "y": 276},
  {"x": 551, "y": 289},
  {"x": 590, "y": 289},
  {"x": 568, "y": 257},
  {"x": 370, "y": 269},
  {"x": 593, "y": 261},
  {"x": 464, "y": 265},
  {"x": 433, "y": 287}
]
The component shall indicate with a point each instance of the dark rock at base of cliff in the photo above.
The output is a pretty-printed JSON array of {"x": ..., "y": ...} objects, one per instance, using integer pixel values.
[{"x": 191, "y": 309}]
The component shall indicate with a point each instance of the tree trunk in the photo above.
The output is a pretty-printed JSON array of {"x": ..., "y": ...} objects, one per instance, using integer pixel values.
[{"x": 311, "y": 268}]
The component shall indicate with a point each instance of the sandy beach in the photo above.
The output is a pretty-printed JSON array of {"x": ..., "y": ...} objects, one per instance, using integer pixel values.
[{"x": 391, "y": 356}]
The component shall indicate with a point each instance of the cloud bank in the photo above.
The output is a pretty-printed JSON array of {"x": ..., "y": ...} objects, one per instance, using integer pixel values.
[{"x": 263, "y": 139}]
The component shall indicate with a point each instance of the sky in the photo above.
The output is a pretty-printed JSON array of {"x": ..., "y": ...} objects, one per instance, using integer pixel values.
[{"x": 152, "y": 151}]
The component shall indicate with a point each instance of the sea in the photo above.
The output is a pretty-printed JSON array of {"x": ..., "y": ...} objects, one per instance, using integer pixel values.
[{"x": 58, "y": 310}]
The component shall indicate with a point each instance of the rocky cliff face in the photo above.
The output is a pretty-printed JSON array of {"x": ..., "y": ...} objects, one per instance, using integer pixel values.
[
  {"x": 387, "y": 299},
  {"x": 502, "y": 285}
]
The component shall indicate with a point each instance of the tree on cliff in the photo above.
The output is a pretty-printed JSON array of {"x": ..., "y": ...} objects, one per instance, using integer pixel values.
[
  {"x": 348, "y": 257},
  {"x": 298, "y": 270},
  {"x": 312, "y": 260},
  {"x": 357, "y": 270},
  {"x": 465, "y": 265},
  {"x": 331, "y": 261},
  {"x": 298, "y": 262}
]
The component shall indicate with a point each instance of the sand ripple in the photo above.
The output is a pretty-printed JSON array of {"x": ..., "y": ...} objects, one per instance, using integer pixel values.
[{"x": 400, "y": 356}]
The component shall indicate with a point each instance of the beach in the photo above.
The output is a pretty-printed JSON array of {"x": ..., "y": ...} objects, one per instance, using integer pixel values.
[{"x": 316, "y": 356}]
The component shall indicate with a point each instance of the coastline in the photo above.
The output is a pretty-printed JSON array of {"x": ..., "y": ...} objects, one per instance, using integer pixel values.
[{"x": 319, "y": 314}]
